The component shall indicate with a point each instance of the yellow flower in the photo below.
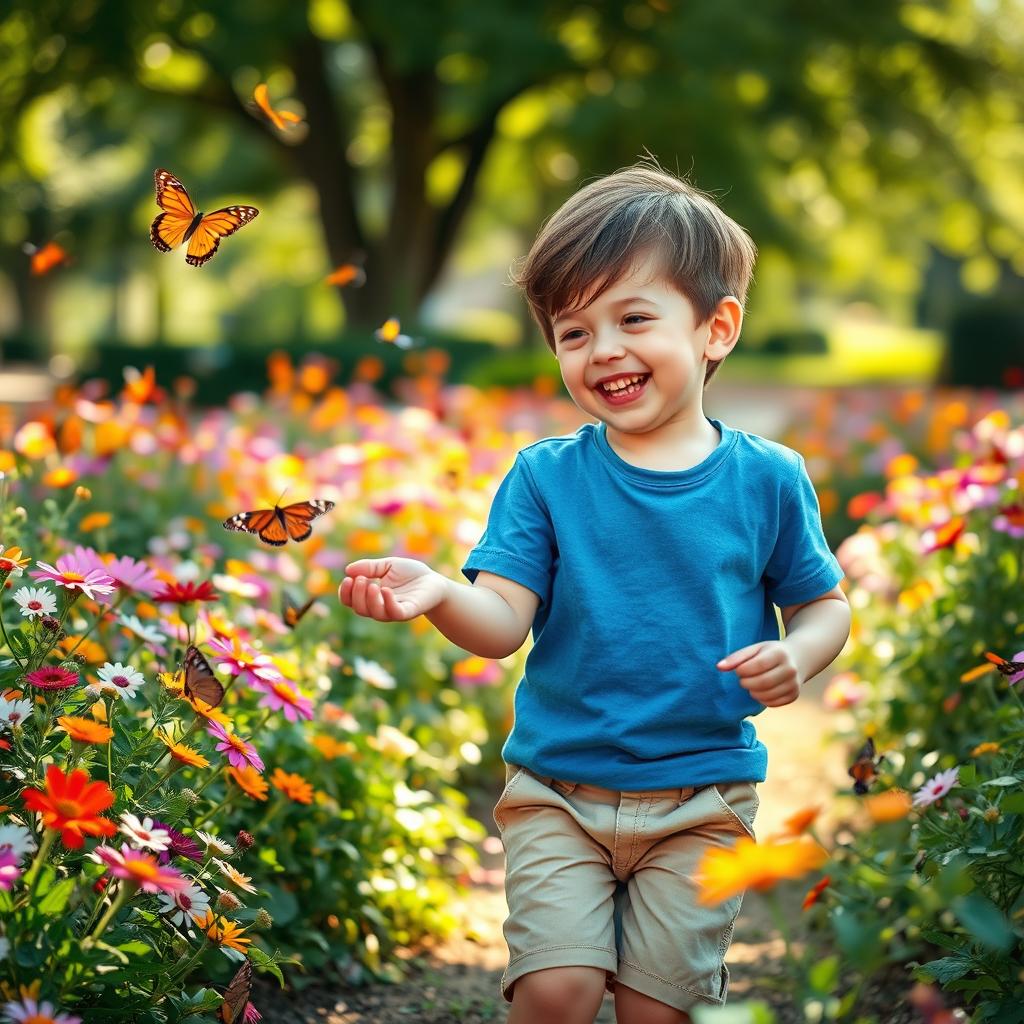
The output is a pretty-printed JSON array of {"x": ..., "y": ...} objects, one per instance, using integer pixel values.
[
  {"x": 94, "y": 521},
  {"x": 84, "y": 730},
  {"x": 331, "y": 748},
  {"x": 725, "y": 872},
  {"x": 988, "y": 747},
  {"x": 11, "y": 559},
  {"x": 89, "y": 649},
  {"x": 223, "y": 931},
  {"x": 890, "y": 805},
  {"x": 797, "y": 823},
  {"x": 61, "y": 476},
  {"x": 181, "y": 752}
]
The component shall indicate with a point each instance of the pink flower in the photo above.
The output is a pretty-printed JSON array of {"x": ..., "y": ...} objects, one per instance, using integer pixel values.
[
  {"x": 75, "y": 574},
  {"x": 242, "y": 660},
  {"x": 239, "y": 753},
  {"x": 845, "y": 690},
  {"x": 252, "y": 1015},
  {"x": 130, "y": 575},
  {"x": 140, "y": 868},
  {"x": 281, "y": 696},
  {"x": 1016, "y": 677},
  {"x": 936, "y": 788},
  {"x": 10, "y": 870},
  {"x": 29, "y": 1011},
  {"x": 52, "y": 677}
]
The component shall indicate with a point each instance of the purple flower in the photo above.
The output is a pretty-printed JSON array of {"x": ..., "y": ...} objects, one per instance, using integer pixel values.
[
  {"x": 181, "y": 845},
  {"x": 130, "y": 575},
  {"x": 76, "y": 574},
  {"x": 239, "y": 753},
  {"x": 10, "y": 870}
]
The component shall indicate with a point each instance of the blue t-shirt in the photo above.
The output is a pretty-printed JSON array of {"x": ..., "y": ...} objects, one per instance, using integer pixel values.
[{"x": 646, "y": 580}]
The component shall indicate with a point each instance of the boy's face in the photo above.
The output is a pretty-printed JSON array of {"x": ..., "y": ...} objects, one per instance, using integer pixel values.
[{"x": 642, "y": 325}]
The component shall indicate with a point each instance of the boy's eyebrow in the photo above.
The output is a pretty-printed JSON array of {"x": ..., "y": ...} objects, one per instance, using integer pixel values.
[{"x": 568, "y": 314}]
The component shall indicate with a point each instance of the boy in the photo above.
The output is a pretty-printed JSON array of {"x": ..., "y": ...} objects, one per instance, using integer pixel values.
[{"x": 646, "y": 552}]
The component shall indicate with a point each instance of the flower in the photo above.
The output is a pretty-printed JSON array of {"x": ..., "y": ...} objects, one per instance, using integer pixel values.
[
  {"x": 145, "y": 833},
  {"x": 213, "y": 842},
  {"x": 181, "y": 845},
  {"x": 223, "y": 931},
  {"x": 988, "y": 747},
  {"x": 476, "y": 671},
  {"x": 295, "y": 787},
  {"x": 185, "y": 593},
  {"x": 239, "y": 753},
  {"x": 250, "y": 782},
  {"x": 1010, "y": 519},
  {"x": 252, "y": 1015},
  {"x": 130, "y": 575},
  {"x": 85, "y": 730},
  {"x": 1016, "y": 677},
  {"x": 13, "y": 712},
  {"x": 94, "y": 521},
  {"x": 71, "y": 804},
  {"x": 890, "y": 805},
  {"x": 799, "y": 822},
  {"x": 182, "y": 906},
  {"x": 12, "y": 561},
  {"x": 937, "y": 787},
  {"x": 35, "y": 601},
  {"x": 234, "y": 876},
  {"x": 123, "y": 680},
  {"x": 53, "y": 677},
  {"x": 16, "y": 839},
  {"x": 943, "y": 535},
  {"x": 281, "y": 696},
  {"x": 28, "y": 1011},
  {"x": 150, "y": 634},
  {"x": 181, "y": 752},
  {"x": 242, "y": 660},
  {"x": 71, "y": 573},
  {"x": 139, "y": 868},
  {"x": 10, "y": 869},
  {"x": 815, "y": 891},
  {"x": 724, "y": 872},
  {"x": 374, "y": 674},
  {"x": 844, "y": 690}
]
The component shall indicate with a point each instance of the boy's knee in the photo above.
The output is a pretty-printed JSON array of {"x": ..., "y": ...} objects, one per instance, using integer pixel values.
[{"x": 561, "y": 992}]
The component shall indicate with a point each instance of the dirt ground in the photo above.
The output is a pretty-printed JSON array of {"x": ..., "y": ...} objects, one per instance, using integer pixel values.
[{"x": 458, "y": 980}]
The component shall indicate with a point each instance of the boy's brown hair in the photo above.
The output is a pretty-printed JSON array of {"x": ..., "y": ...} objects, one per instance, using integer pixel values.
[{"x": 604, "y": 229}]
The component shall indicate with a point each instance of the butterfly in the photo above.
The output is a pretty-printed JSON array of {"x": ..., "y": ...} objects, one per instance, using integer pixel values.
[
  {"x": 141, "y": 388},
  {"x": 864, "y": 769},
  {"x": 236, "y": 996},
  {"x": 199, "y": 678},
  {"x": 280, "y": 119},
  {"x": 46, "y": 258},
  {"x": 349, "y": 274},
  {"x": 179, "y": 221},
  {"x": 390, "y": 332},
  {"x": 291, "y": 612},
  {"x": 1006, "y": 668},
  {"x": 278, "y": 525}
]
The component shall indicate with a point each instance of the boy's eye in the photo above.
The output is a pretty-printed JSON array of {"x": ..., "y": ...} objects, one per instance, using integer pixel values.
[
  {"x": 571, "y": 335},
  {"x": 636, "y": 317}
]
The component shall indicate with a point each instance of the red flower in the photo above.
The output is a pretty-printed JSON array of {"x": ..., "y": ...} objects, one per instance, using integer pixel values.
[
  {"x": 71, "y": 804},
  {"x": 186, "y": 593},
  {"x": 812, "y": 896},
  {"x": 52, "y": 678}
]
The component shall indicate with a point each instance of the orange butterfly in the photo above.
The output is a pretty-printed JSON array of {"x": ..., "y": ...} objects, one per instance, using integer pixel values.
[
  {"x": 199, "y": 678},
  {"x": 348, "y": 275},
  {"x": 280, "y": 119},
  {"x": 278, "y": 525},
  {"x": 47, "y": 258},
  {"x": 864, "y": 769},
  {"x": 141, "y": 388},
  {"x": 390, "y": 332},
  {"x": 291, "y": 612},
  {"x": 180, "y": 223}
]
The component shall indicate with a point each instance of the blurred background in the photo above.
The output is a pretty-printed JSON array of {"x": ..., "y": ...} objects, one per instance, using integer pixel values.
[{"x": 873, "y": 151}]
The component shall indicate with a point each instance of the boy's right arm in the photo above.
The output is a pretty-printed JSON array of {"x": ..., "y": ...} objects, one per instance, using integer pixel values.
[{"x": 490, "y": 619}]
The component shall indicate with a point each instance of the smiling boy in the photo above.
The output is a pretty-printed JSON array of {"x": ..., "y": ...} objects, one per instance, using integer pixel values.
[{"x": 647, "y": 553}]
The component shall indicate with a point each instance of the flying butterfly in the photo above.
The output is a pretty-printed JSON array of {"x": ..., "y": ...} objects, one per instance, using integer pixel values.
[
  {"x": 46, "y": 258},
  {"x": 199, "y": 678},
  {"x": 348, "y": 275},
  {"x": 280, "y": 119},
  {"x": 864, "y": 769},
  {"x": 236, "y": 996},
  {"x": 1006, "y": 668},
  {"x": 291, "y": 612},
  {"x": 279, "y": 524},
  {"x": 180, "y": 222},
  {"x": 390, "y": 332}
]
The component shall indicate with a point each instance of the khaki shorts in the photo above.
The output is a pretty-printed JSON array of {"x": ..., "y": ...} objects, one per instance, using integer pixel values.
[{"x": 598, "y": 878}]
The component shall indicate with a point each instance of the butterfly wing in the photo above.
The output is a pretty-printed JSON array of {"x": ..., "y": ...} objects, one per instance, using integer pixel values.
[
  {"x": 213, "y": 227},
  {"x": 299, "y": 517},
  {"x": 863, "y": 770},
  {"x": 199, "y": 678},
  {"x": 291, "y": 612},
  {"x": 348, "y": 275},
  {"x": 236, "y": 996},
  {"x": 280, "y": 119},
  {"x": 168, "y": 231},
  {"x": 47, "y": 258},
  {"x": 263, "y": 522}
]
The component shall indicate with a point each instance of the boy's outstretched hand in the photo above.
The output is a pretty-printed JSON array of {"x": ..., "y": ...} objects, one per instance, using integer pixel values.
[
  {"x": 767, "y": 670},
  {"x": 391, "y": 589}
]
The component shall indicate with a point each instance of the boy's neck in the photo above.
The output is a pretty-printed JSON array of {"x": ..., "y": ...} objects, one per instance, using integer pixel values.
[{"x": 680, "y": 444}]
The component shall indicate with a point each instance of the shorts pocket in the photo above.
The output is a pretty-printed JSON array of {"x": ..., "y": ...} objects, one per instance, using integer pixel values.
[
  {"x": 740, "y": 802},
  {"x": 513, "y": 774}
]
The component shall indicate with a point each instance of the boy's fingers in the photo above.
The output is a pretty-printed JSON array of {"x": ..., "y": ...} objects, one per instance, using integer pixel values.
[{"x": 730, "y": 661}]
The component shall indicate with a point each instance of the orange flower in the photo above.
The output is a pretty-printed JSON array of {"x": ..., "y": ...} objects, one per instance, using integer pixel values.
[
  {"x": 295, "y": 787},
  {"x": 223, "y": 931},
  {"x": 71, "y": 804},
  {"x": 331, "y": 748},
  {"x": 815, "y": 892},
  {"x": 798, "y": 823},
  {"x": 12, "y": 559},
  {"x": 988, "y": 747},
  {"x": 182, "y": 753},
  {"x": 94, "y": 521},
  {"x": 85, "y": 730},
  {"x": 61, "y": 476},
  {"x": 251, "y": 782},
  {"x": 725, "y": 872},
  {"x": 89, "y": 649},
  {"x": 890, "y": 805}
]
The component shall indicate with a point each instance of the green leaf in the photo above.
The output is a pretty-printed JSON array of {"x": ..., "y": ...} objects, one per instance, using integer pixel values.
[
  {"x": 1003, "y": 780},
  {"x": 1012, "y": 803},
  {"x": 947, "y": 969},
  {"x": 266, "y": 963},
  {"x": 824, "y": 974},
  {"x": 984, "y": 920},
  {"x": 967, "y": 775},
  {"x": 56, "y": 898}
]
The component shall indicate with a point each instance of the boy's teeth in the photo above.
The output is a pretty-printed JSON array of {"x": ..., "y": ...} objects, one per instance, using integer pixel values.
[{"x": 618, "y": 385}]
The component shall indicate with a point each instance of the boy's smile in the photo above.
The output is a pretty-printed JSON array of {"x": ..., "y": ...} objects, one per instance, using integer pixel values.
[{"x": 635, "y": 357}]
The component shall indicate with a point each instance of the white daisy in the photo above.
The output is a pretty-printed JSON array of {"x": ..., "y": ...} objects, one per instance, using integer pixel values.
[
  {"x": 121, "y": 679},
  {"x": 13, "y": 712},
  {"x": 235, "y": 877},
  {"x": 16, "y": 839},
  {"x": 35, "y": 602},
  {"x": 150, "y": 634},
  {"x": 216, "y": 844},
  {"x": 937, "y": 787},
  {"x": 143, "y": 834},
  {"x": 374, "y": 674},
  {"x": 182, "y": 906}
]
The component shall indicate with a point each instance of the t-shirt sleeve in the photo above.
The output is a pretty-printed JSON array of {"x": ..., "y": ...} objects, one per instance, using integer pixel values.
[
  {"x": 519, "y": 540},
  {"x": 801, "y": 566}
]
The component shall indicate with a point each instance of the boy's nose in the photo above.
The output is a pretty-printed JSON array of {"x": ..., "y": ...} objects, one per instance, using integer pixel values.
[{"x": 607, "y": 344}]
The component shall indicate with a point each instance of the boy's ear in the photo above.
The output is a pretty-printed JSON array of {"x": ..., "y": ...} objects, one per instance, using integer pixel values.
[{"x": 724, "y": 325}]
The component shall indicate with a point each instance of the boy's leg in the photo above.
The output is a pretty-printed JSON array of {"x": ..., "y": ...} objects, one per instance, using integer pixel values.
[
  {"x": 632, "y": 1007},
  {"x": 558, "y": 995}
]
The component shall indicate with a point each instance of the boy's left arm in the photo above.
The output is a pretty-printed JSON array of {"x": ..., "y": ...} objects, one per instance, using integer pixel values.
[{"x": 775, "y": 670}]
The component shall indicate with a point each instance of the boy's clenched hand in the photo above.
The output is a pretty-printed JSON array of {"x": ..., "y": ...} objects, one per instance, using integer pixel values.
[
  {"x": 391, "y": 589},
  {"x": 767, "y": 670}
]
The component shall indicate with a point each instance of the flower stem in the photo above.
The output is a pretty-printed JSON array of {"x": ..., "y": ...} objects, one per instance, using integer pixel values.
[
  {"x": 124, "y": 891},
  {"x": 779, "y": 918},
  {"x": 37, "y": 864}
]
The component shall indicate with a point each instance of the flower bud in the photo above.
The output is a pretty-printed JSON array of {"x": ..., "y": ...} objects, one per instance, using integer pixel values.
[
  {"x": 101, "y": 883},
  {"x": 228, "y": 901},
  {"x": 991, "y": 815},
  {"x": 263, "y": 919},
  {"x": 190, "y": 796},
  {"x": 244, "y": 841},
  {"x": 83, "y": 493},
  {"x": 962, "y": 811},
  {"x": 50, "y": 624}
]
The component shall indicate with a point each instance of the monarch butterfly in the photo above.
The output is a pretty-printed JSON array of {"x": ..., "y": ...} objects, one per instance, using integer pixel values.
[
  {"x": 390, "y": 332},
  {"x": 291, "y": 612},
  {"x": 236, "y": 996},
  {"x": 278, "y": 525},
  {"x": 1006, "y": 668},
  {"x": 347, "y": 275},
  {"x": 280, "y": 119},
  {"x": 864, "y": 769},
  {"x": 180, "y": 223},
  {"x": 199, "y": 678},
  {"x": 46, "y": 258}
]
